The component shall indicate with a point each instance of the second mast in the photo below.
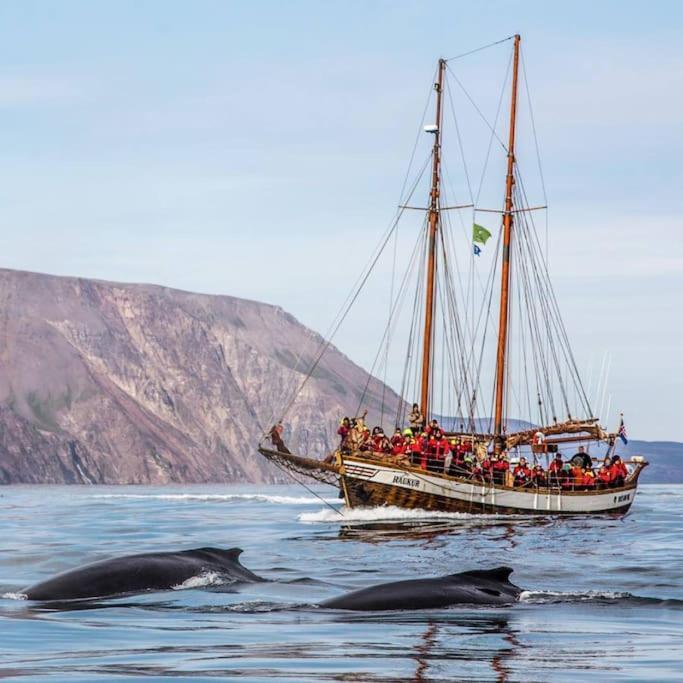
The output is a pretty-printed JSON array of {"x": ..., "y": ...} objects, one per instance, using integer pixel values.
[
  {"x": 430, "y": 299},
  {"x": 505, "y": 272}
]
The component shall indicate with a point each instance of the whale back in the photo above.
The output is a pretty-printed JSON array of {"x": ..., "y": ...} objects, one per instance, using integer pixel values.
[
  {"x": 478, "y": 587},
  {"x": 138, "y": 573}
]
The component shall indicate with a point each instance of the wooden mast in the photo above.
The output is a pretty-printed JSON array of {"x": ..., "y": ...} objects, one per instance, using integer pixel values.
[
  {"x": 505, "y": 275},
  {"x": 433, "y": 219}
]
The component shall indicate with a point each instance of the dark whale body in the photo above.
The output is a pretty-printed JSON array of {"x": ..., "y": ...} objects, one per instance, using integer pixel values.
[
  {"x": 488, "y": 587},
  {"x": 139, "y": 573}
]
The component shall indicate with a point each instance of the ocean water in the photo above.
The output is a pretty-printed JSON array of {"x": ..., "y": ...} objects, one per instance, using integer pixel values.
[{"x": 603, "y": 596}]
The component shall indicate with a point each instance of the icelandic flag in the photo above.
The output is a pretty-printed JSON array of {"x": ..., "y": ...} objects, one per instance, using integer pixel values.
[{"x": 622, "y": 431}]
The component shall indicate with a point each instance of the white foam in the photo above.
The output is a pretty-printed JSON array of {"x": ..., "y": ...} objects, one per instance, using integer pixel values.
[
  {"x": 202, "y": 581},
  {"x": 539, "y": 597},
  {"x": 14, "y": 596},
  {"x": 207, "y": 497},
  {"x": 383, "y": 513}
]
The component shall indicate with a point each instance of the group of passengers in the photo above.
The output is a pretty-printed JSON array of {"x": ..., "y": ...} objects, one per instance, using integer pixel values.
[
  {"x": 427, "y": 446},
  {"x": 577, "y": 474}
]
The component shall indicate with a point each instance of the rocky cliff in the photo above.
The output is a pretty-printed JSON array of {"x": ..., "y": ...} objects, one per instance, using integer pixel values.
[{"x": 122, "y": 383}]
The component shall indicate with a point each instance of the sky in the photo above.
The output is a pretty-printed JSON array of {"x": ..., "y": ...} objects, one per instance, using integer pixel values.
[{"x": 258, "y": 149}]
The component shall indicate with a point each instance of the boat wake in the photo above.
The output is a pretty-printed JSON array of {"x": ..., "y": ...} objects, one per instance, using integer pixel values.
[
  {"x": 13, "y": 596},
  {"x": 218, "y": 497},
  {"x": 390, "y": 513},
  {"x": 604, "y": 597},
  {"x": 550, "y": 597}
]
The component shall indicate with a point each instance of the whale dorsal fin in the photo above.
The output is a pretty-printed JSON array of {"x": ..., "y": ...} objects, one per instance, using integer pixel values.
[
  {"x": 231, "y": 554},
  {"x": 501, "y": 574}
]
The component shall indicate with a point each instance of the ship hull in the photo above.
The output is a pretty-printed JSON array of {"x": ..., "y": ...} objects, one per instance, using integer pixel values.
[{"x": 369, "y": 484}]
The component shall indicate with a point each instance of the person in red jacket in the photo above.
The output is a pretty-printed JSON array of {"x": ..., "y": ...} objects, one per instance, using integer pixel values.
[
  {"x": 343, "y": 431},
  {"x": 466, "y": 445},
  {"x": 604, "y": 476},
  {"x": 415, "y": 450},
  {"x": 444, "y": 443},
  {"x": 443, "y": 448},
  {"x": 364, "y": 441},
  {"x": 476, "y": 472},
  {"x": 276, "y": 438},
  {"x": 538, "y": 477},
  {"x": 555, "y": 470},
  {"x": 557, "y": 463},
  {"x": 430, "y": 448},
  {"x": 432, "y": 427},
  {"x": 618, "y": 472},
  {"x": 398, "y": 442},
  {"x": 424, "y": 450},
  {"x": 521, "y": 473},
  {"x": 501, "y": 468},
  {"x": 380, "y": 443},
  {"x": 434, "y": 453},
  {"x": 458, "y": 453},
  {"x": 487, "y": 466},
  {"x": 588, "y": 479}
]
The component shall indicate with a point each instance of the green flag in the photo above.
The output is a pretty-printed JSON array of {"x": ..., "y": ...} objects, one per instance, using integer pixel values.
[{"x": 480, "y": 234}]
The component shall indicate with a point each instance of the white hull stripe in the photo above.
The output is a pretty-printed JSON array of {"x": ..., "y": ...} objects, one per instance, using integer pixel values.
[{"x": 552, "y": 500}]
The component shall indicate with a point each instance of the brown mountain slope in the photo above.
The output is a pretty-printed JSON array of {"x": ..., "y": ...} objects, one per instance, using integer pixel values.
[{"x": 119, "y": 383}]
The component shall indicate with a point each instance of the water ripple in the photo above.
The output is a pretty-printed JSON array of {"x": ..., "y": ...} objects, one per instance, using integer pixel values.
[{"x": 603, "y": 596}]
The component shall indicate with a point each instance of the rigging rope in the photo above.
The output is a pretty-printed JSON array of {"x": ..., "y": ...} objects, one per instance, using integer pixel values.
[
  {"x": 334, "y": 325},
  {"x": 538, "y": 342},
  {"x": 417, "y": 307},
  {"x": 392, "y": 315},
  {"x": 353, "y": 297},
  {"x": 311, "y": 491},
  {"x": 474, "y": 104},
  {"x": 554, "y": 306},
  {"x": 479, "y": 49},
  {"x": 533, "y": 128}
]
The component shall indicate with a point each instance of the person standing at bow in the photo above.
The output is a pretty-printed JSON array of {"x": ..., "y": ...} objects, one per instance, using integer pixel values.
[{"x": 343, "y": 432}]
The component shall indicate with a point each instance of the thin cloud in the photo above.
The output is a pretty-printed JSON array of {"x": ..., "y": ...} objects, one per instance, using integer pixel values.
[{"x": 30, "y": 90}]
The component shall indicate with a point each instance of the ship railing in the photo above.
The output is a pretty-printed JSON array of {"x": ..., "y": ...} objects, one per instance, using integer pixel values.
[{"x": 437, "y": 466}]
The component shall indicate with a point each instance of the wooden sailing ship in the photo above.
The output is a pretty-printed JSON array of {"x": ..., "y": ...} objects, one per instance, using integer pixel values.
[{"x": 368, "y": 478}]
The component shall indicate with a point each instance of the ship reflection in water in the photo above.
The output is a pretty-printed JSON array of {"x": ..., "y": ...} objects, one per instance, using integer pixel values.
[
  {"x": 460, "y": 641},
  {"x": 380, "y": 531}
]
